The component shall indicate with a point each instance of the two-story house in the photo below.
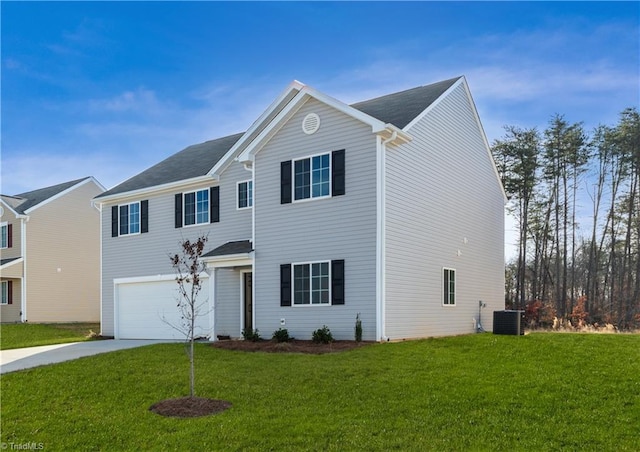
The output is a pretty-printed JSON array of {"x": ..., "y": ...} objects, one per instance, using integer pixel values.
[
  {"x": 390, "y": 209},
  {"x": 50, "y": 254}
]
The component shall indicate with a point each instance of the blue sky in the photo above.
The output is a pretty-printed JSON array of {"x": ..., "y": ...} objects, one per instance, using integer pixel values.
[{"x": 110, "y": 88}]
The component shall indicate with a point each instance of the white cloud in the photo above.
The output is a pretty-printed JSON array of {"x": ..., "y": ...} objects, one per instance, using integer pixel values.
[{"x": 140, "y": 99}]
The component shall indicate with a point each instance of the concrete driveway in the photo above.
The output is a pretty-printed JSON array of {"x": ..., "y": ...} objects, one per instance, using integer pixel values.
[{"x": 26, "y": 358}]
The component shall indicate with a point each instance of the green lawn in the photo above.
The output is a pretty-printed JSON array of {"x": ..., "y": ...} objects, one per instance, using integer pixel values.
[
  {"x": 479, "y": 392},
  {"x": 18, "y": 335}
]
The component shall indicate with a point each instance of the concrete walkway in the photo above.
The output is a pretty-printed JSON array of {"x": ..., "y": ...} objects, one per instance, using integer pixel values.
[{"x": 26, "y": 358}]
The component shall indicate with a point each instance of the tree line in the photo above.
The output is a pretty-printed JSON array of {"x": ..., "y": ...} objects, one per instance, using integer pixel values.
[{"x": 574, "y": 194}]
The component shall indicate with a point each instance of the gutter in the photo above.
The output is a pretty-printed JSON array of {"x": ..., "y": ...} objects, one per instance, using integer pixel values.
[{"x": 155, "y": 189}]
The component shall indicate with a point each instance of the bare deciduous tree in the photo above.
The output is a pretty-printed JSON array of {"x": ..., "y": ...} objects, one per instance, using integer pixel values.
[{"x": 189, "y": 268}]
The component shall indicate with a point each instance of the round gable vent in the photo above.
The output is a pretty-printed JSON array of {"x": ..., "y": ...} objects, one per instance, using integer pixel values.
[{"x": 311, "y": 123}]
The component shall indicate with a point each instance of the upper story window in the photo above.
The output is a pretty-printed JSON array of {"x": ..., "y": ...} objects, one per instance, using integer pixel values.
[
  {"x": 312, "y": 177},
  {"x": 4, "y": 235},
  {"x": 318, "y": 176},
  {"x": 196, "y": 207},
  {"x": 449, "y": 289},
  {"x": 130, "y": 219},
  {"x": 245, "y": 194}
]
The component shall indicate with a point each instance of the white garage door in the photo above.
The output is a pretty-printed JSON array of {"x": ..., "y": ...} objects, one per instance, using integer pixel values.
[{"x": 146, "y": 310}]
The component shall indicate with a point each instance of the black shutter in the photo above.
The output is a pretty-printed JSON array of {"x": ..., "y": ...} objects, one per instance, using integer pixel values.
[
  {"x": 337, "y": 173},
  {"x": 9, "y": 292},
  {"x": 114, "y": 221},
  {"x": 214, "y": 204},
  {"x": 144, "y": 216},
  {"x": 337, "y": 282},
  {"x": 178, "y": 210},
  {"x": 285, "y": 182},
  {"x": 9, "y": 235},
  {"x": 285, "y": 285}
]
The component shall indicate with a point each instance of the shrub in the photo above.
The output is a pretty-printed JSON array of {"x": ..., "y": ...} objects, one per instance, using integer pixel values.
[
  {"x": 358, "y": 328},
  {"x": 322, "y": 335},
  {"x": 251, "y": 335},
  {"x": 281, "y": 335}
]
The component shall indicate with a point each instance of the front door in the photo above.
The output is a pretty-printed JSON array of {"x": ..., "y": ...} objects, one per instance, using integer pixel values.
[{"x": 248, "y": 300}]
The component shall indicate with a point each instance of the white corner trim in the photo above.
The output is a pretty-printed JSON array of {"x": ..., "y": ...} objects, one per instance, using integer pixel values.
[
  {"x": 380, "y": 239},
  {"x": 229, "y": 260}
]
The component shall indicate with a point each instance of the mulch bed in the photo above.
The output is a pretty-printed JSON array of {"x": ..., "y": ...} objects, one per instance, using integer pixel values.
[
  {"x": 294, "y": 346},
  {"x": 189, "y": 407}
]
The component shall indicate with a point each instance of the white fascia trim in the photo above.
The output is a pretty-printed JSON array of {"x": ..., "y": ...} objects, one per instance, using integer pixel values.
[
  {"x": 13, "y": 211},
  {"x": 225, "y": 161},
  {"x": 62, "y": 193},
  {"x": 275, "y": 125},
  {"x": 305, "y": 94},
  {"x": 139, "y": 279},
  {"x": 12, "y": 263},
  {"x": 229, "y": 260},
  {"x": 484, "y": 140},
  {"x": 434, "y": 104},
  {"x": 156, "y": 189}
]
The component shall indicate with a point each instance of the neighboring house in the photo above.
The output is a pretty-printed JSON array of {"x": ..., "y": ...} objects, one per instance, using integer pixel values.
[
  {"x": 50, "y": 251},
  {"x": 390, "y": 208}
]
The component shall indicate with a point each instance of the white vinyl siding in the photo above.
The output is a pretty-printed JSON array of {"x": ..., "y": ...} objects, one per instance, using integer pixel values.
[
  {"x": 444, "y": 209},
  {"x": 339, "y": 227}
]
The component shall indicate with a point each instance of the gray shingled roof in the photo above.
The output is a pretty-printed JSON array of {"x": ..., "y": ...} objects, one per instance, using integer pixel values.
[
  {"x": 229, "y": 248},
  {"x": 401, "y": 108},
  {"x": 4, "y": 262},
  {"x": 398, "y": 109},
  {"x": 193, "y": 161},
  {"x": 25, "y": 201}
]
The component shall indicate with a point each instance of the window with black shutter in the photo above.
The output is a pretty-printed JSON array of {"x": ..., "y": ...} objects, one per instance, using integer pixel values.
[
  {"x": 312, "y": 283},
  {"x": 178, "y": 210},
  {"x": 337, "y": 173},
  {"x": 214, "y": 196},
  {"x": 285, "y": 182},
  {"x": 285, "y": 285}
]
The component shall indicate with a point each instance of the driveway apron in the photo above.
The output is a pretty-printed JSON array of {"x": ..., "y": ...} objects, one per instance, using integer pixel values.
[{"x": 26, "y": 358}]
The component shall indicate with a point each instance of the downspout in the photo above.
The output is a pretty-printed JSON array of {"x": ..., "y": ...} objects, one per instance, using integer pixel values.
[
  {"x": 381, "y": 242},
  {"x": 250, "y": 166}
]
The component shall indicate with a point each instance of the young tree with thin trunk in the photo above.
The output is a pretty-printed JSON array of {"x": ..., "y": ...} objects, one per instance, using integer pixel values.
[{"x": 189, "y": 269}]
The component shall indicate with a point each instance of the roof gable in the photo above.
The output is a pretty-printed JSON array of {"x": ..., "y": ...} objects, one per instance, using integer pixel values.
[
  {"x": 386, "y": 115},
  {"x": 23, "y": 202},
  {"x": 403, "y": 107}
]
